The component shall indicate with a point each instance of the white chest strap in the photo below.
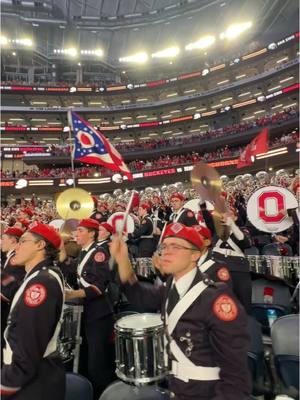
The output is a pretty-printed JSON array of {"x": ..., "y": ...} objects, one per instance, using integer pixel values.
[
  {"x": 184, "y": 369},
  {"x": 81, "y": 265},
  {"x": 231, "y": 243},
  {"x": 52, "y": 345},
  {"x": 206, "y": 265},
  {"x": 178, "y": 215},
  {"x": 183, "y": 304},
  {"x": 8, "y": 259}
]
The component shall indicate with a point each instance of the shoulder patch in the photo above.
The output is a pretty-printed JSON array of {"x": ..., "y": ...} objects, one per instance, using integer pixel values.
[
  {"x": 225, "y": 308},
  {"x": 190, "y": 214},
  {"x": 223, "y": 274},
  {"x": 99, "y": 256},
  {"x": 35, "y": 295}
]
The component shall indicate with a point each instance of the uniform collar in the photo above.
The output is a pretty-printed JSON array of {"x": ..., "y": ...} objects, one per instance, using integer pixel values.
[
  {"x": 41, "y": 265},
  {"x": 184, "y": 283},
  {"x": 87, "y": 248},
  {"x": 202, "y": 258},
  {"x": 102, "y": 241},
  {"x": 10, "y": 253}
]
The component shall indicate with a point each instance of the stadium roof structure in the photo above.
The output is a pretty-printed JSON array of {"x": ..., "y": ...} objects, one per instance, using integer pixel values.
[{"x": 121, "y": 27}]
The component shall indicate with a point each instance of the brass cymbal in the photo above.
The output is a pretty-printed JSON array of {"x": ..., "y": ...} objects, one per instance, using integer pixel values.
[
  {"x": 74, "y": 204},
  {"x": 206, "y": 182}
]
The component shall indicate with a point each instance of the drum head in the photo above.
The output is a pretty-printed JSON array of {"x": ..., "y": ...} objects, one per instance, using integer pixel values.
[{"x": 139, "y": 321}]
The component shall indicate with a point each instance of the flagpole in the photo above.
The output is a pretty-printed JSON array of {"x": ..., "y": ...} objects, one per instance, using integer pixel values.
[{"x": 71, "y": 146}]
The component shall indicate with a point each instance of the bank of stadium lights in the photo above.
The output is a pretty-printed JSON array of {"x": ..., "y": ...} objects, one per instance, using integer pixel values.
[
  {"x": 202, "y": 43},
  {"x": 26, "y": 42},
  {"x": 71, "y": 51},
  {"x": 97, "y": 52},
  {"x": 166, "y": 53},
  {"x": 235, "y": 30},
  {"x": 139, "y": 58}
]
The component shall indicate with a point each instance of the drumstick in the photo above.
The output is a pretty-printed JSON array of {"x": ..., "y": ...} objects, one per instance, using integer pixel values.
[
  {"x": 124, "y": 221},
  {"x": 162, "y": 233}
]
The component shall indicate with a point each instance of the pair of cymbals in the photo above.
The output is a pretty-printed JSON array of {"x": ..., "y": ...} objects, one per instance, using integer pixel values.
[
  {"x": 74, "y": 204},
  {"x": 206, "y": 181}
]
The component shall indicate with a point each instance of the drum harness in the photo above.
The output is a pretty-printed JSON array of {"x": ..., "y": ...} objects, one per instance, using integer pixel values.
[
  {"x": 177, "y": 215},
  {"x": 183, "y": 368},
  {"x": 81, "y": 265},
  {"x": 52, "y": 345},
  {"x": 236, "y": 252},
  {"x": 148, "y": 236}
]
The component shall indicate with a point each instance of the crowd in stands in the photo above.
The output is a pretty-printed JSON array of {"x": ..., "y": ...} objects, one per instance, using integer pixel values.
[
  {"x": 209, "y": 134},
  {"x": 138, "y": 144},
  {"x": 140, "y": 165}
]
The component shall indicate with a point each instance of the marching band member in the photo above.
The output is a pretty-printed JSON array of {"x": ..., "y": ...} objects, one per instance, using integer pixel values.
[
  {"x": 143, "y": 234},
  {"x": 93, "y": 278},
  {"x": 206, "y": 326},
  {"x": 181, "y": 214},
  {"x": 207, "y": 264},
  {"x": 230, "y": 252},
  {"x": 11, "y": 275},
  {"x": 32, "y": 368},
  {"x": 105, "y": 232}
]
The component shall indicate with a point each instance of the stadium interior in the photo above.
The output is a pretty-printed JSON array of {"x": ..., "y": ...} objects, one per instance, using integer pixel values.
[{"x": 170, "y": 85}]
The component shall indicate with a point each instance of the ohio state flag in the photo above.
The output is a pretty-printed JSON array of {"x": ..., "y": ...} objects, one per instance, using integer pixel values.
[{"x": 92, "y": 147}]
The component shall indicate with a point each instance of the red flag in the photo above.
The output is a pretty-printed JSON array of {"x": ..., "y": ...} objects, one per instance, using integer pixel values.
[
  {"x": 259, "y": 144},
  {"x": 135, "y": 200},
  {"x": 245, "y": 158}
]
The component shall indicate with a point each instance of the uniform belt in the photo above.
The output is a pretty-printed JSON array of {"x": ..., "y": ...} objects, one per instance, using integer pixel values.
[
  {"x": 147, "y": 237},
  {"x": 229, "y": 252},
  {"x": 198, "y": 373}
]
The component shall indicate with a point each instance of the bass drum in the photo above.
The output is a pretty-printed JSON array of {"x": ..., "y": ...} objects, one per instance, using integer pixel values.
[{"x": 122, "y": 391}]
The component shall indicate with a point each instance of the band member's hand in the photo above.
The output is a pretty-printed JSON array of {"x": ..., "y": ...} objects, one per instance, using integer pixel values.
[
  {"x": 62, "y": 252},
  {"x": 157, "y": 231},
  {"x": 119, "y": 251},
  {"x": 118, "y": 248},
  {"x": 281, "y": 239}
]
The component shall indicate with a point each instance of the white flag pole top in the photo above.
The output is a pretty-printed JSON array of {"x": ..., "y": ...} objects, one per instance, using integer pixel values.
[
  {"x": 70, "y": 123},
  {"x": 126, "y": 213}
]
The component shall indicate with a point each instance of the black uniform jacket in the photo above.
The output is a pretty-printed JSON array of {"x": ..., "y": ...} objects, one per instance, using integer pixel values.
[
  {"x": 31, "y": 325},
  {"x": 94, "y": 279},
  {"x": 187, "y": 217},
  {"x": 143, "y": 235},
  {"x": 216, "y": 324},
  {"x": 218, "y": 271},
  {"x": 11, "y": 278},
  {"x": 235, "y": 263}
]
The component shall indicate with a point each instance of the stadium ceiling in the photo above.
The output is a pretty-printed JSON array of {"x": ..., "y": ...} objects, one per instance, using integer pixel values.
[{"x": 121, "y": 27}]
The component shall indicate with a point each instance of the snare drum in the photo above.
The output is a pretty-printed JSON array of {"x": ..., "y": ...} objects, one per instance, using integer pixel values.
[
  {"x": 140, "y": 348},
  {"x": 144, "y": 268}
]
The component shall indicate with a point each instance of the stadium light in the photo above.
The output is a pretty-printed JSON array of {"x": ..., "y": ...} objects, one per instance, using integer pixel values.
[
  {"x": 72, "y": 52},
  {"x": 202, "y": 43},
  {"x": 235, "y": 30},
  {"x": 3, "y": 40},
  {"x": 139, "y": 58},
  {"x": 170, "y": 52}
]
